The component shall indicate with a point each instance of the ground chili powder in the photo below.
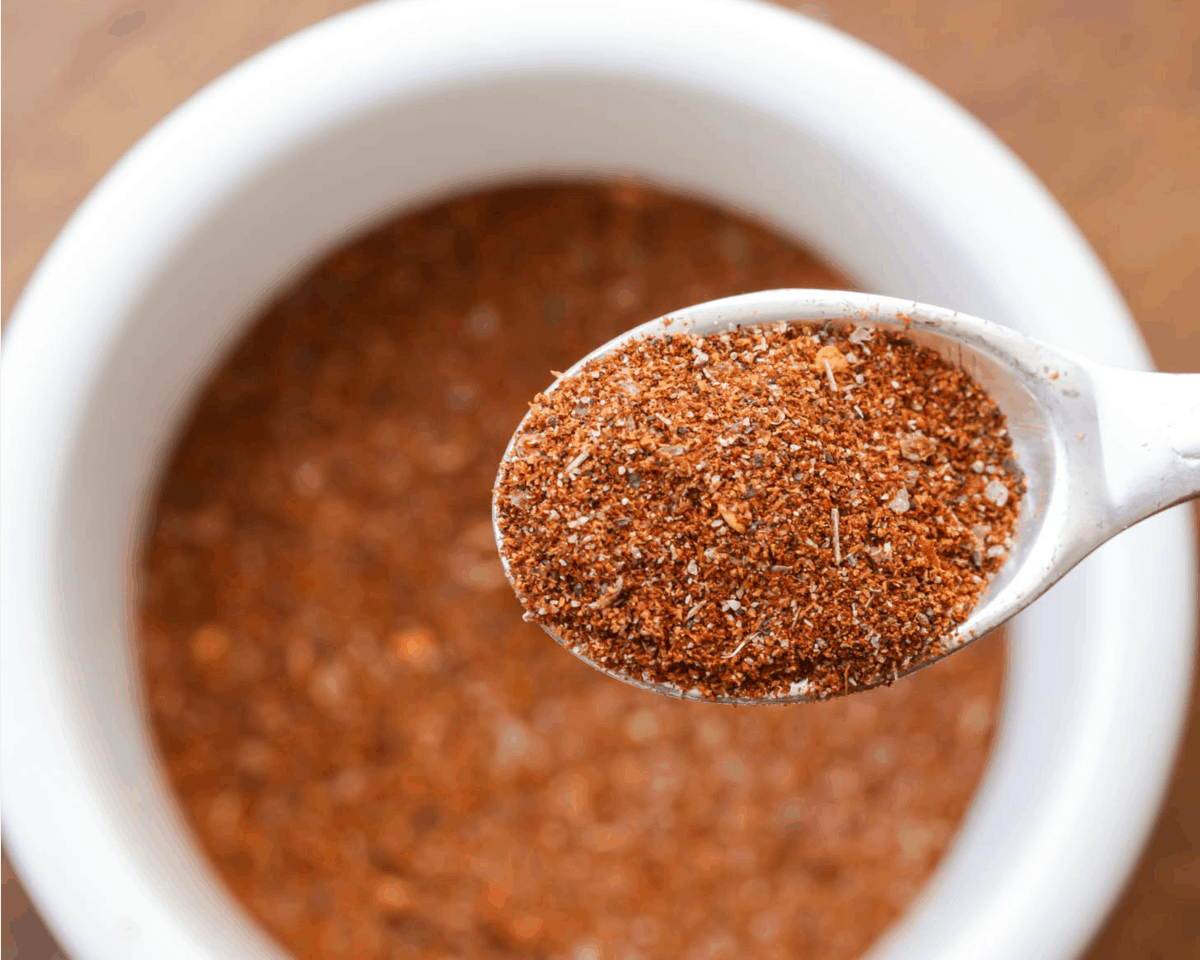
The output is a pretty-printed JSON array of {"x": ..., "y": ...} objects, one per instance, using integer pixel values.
[
  {"x": 771, "y": 511},
  {"x": 380, "y": 757}
]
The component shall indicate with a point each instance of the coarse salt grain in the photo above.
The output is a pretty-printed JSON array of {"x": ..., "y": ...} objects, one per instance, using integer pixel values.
[{"x": 996, "y": 492}]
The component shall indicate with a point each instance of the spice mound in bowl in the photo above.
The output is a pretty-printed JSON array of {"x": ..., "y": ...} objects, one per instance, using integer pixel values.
[
  {"x": 378, "y": 756},
  {"x": 774, "y": 511}
]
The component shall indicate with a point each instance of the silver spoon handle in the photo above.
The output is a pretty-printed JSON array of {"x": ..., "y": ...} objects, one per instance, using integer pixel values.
[{"x": 1149, "y": 427}]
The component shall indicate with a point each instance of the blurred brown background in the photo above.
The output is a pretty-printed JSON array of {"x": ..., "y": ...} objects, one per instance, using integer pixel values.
[{"x": 1100, "y": 97}]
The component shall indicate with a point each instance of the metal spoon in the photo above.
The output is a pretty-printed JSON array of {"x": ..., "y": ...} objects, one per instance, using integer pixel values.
[{"x": 1102, "y": 448}]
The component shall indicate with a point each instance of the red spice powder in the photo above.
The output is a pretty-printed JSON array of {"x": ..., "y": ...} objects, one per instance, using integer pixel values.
[
  {"x": 381, "y": 759},
  {"x": 768, "y": 512}
]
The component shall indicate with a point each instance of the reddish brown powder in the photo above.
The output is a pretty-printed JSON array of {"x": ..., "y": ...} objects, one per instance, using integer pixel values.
[
  {"x": 772, "y": 511},
  {"x": 380, "y": 757}
]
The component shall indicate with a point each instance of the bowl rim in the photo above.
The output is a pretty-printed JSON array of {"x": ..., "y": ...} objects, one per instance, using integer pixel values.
[{"x": 1129, "y": 738}]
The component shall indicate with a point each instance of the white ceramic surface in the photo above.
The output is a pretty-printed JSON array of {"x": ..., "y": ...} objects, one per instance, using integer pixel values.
[{"x": 384, "y": 108}]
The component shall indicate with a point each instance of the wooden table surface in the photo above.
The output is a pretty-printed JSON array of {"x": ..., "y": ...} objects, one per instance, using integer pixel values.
[{"x": 1100, "y": 99}]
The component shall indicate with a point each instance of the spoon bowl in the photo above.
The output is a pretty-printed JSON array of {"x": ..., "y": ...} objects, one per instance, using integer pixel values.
[{"x": 1101, "y": 448}]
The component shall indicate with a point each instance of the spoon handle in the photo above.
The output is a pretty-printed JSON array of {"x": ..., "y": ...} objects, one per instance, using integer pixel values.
[{"x": 1149, "y": 426}]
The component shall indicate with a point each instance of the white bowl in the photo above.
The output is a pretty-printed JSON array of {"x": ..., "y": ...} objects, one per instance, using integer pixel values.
[{"x": 384, "y": 108}]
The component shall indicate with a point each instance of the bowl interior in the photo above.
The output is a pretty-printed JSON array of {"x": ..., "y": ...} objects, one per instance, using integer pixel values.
[
  {"x": 280, "y": 162},
  {"x": 177, "y": 328}
]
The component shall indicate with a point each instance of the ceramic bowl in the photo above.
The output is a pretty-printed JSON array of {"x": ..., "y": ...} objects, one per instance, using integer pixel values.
[{"x": 390, "y": 107}]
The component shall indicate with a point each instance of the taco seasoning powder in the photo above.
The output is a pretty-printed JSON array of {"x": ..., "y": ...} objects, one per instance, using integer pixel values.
[
  {"x": 381, "y": 759},
  {"x": 771, "y": 511}
]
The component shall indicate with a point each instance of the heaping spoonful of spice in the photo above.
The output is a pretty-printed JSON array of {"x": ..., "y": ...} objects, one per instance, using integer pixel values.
[{"x": 798, "y": 494}]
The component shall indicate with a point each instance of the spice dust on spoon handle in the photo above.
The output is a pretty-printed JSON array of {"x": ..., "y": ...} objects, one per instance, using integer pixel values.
[{"x": 798, "y": 494}]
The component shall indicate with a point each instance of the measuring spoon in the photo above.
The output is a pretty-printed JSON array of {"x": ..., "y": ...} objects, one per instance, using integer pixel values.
[{"x": 1102, "y": 448}]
